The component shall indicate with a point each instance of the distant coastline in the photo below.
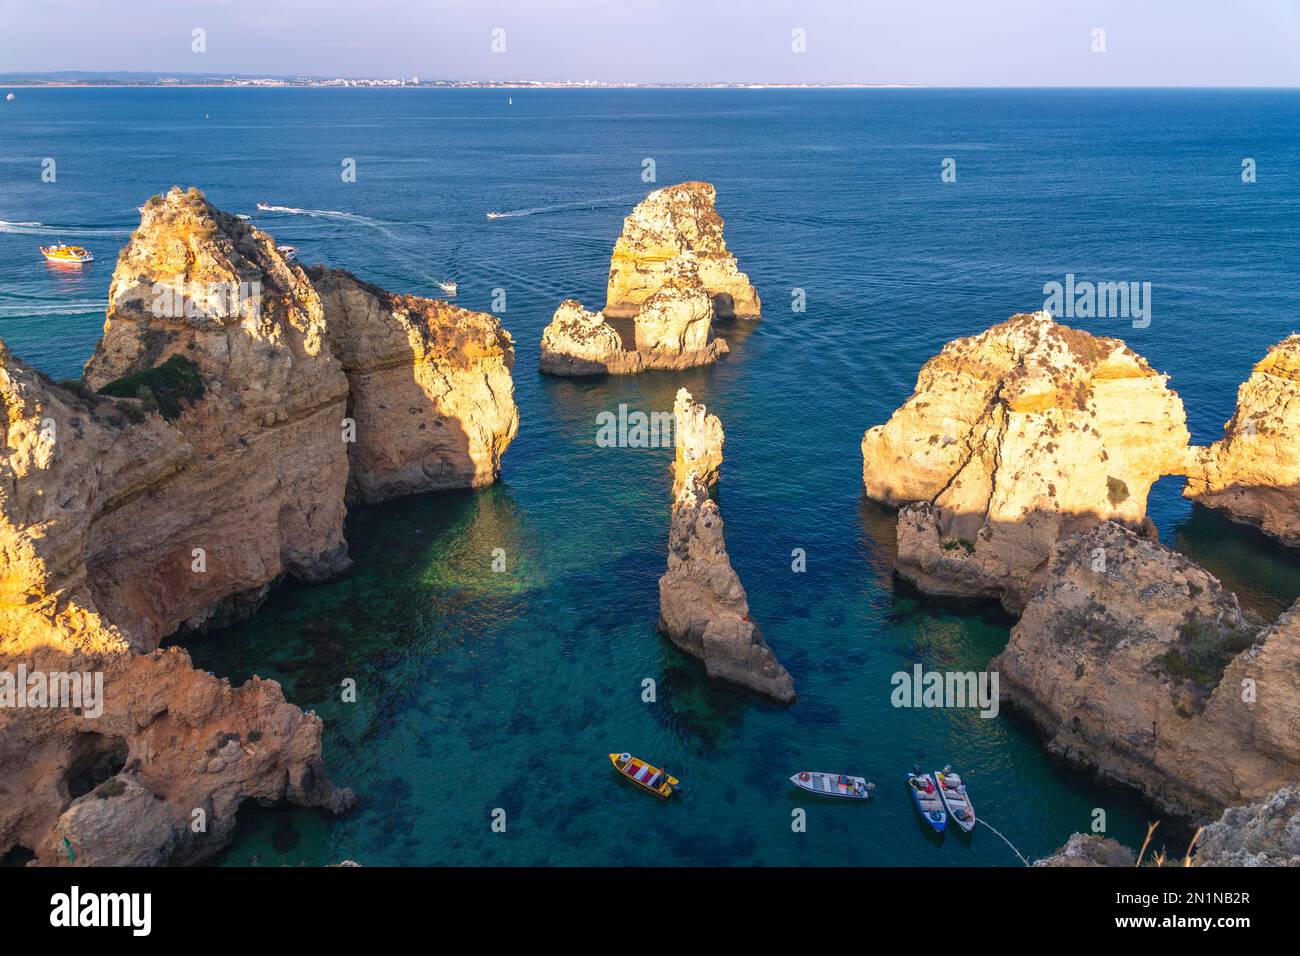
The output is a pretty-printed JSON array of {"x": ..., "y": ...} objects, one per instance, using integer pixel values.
[{"x": 112, "y": 80}]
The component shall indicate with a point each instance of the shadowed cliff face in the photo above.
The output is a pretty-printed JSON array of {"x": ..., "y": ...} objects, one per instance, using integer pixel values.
[
  {"x": 703, "y": 607},
  {"x": 1136, "y": 662},
  {"x": 220, "y": 465},
  {"x": 261, "y": 491},
  {"x": 1013, "y": 440},
  {"x": 119, "y": 775}
]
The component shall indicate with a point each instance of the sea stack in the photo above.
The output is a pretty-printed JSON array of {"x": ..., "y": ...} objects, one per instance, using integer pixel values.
[
  {"x": 1014, "y": 440},
  {"x": 1137, "y": 663},
  {"x": 227, "y": 414},
  {"x": 1252, "y": 474},
  {"x": 677, "y": 229},
  {"x": 672, "y": 275},
  {"x": 703, "y": 607}
]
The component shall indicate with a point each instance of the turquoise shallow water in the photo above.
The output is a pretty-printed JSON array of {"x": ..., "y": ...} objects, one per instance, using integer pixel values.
[{"x": 481, "y": 690}]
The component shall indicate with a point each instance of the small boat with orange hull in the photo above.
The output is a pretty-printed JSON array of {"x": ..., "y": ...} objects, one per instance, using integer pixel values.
[
  {"x": 644, "y": 775},
  {"x": 67, "y": 255}
]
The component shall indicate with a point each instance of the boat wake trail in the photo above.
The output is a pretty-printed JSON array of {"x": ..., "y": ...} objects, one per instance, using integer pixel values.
[
  {"x": 45, "y": 229},
  {"x": 565, "y": 207},
  {"x": 320, "y": 214},
  {"x": 33, "y": 308},
  {"x": 1004, "y": 839}
]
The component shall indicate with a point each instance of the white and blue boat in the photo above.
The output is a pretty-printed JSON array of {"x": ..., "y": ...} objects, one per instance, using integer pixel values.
[
  {"x": 952, "y": 791},
  {"x": 927, "y": 800},
  {"x": 833, "y": 784}
]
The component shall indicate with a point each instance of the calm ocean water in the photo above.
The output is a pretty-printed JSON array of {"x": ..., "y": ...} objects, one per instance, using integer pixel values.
[{"x": 480, "y": 690}]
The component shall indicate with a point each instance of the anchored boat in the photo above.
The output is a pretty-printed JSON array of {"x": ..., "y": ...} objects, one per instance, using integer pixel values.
[
  {"x": 833, "y": 784},
  {"x": 74, "y": 255},
  {"x": 952, "y": 791},
  {"x": 925, "y": 794},
  {"x": 645, "y": 776}
]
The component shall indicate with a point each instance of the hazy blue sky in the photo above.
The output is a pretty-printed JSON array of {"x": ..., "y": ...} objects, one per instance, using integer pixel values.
[{"x": 928, "y": 42}]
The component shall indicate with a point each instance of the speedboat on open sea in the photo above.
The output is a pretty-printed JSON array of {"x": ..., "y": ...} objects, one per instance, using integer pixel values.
[
  {"x": 833, "y": 784},
  {"x": 496, "y": 215},
  {"x": 73, "y": 255},
  {"x": 265, "y": 207},
  {"x": 448, "y": 286}
]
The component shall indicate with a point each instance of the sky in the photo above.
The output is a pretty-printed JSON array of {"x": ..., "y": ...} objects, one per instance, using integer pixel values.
[{"x": 915, "y": 42}]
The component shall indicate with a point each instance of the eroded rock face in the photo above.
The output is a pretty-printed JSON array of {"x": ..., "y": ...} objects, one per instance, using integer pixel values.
[
  {"x": 672, "y": 330},
  {"x": 1013, "y": 440},
  {"x": 578, "y": 342},
  {"x": 1136, "y": 662},
  {"x": 703, "y": 607},
  {"x": 1266, "y": 833},
  {"x": 1253, "y": 473},
  {"x": 429, "y": 388},
  {"x": 1085, "y": 849},
  {"x": 222, "y": 467},
  {"x": 672, "y": 229},
  {"x": 698, "y": 443},
  {"x": 261, "y": 487}
]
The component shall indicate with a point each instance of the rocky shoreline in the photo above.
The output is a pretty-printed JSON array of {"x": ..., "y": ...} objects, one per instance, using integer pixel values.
[
  {"x": 1020, "y": 466},
  {"x": 234, "y": 405}
]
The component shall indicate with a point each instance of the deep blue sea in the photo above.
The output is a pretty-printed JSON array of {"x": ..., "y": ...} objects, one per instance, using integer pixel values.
[{"x": 480, "y": 690}]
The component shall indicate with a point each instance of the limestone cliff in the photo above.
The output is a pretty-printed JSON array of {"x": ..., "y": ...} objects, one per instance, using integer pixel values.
[
  {"x": 205, "y": 455},
  {"x": 1136, "y": 662},
  {"x": 429, "y": 388},
  {"x": 260, "y": 491},
  {"x": 1085, "y": 849},
  {"x": 578, "y": 342},
  {"x": 1013, "y": 440},
  {"x": 703, "y": 607},
  {"x": 1253, "y": 473},
  {"x": 69, "y": 457},
  {"x": 677, "y": 228},
  {"x": 672, "y": 331},
  {"x": 1266, "y": 833}
]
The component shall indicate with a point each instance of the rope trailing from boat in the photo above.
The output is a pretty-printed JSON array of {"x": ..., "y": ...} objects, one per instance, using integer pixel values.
[{"x": 1004, "y": 839}]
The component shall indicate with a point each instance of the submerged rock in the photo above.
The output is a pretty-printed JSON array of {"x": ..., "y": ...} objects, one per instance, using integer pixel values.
[
  {"x": 675, "y": 228},
  {"x": 1014, "y": 440},
  {"x": 1252, "y": 474},
  {"x": 1135, "y": 662},
  {"x": 703, "y": 607}
]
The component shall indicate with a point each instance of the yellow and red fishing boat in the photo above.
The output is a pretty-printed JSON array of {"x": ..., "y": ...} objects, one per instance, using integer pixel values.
[
  {"x": 74, "y": 255},
  {"x": 645, "y": 776}
]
